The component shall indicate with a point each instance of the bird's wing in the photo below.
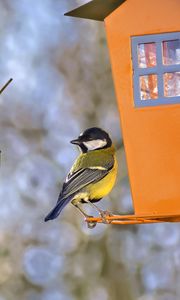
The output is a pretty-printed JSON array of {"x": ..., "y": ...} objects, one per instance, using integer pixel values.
[{"x": 78, "y": 180}]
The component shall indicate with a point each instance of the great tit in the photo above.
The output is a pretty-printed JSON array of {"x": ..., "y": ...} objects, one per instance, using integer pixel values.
[{"x": 93, "y": 174}]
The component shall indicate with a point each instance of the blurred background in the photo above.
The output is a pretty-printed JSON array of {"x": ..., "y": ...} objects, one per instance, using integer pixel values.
[{"x": 61, "y": 85}]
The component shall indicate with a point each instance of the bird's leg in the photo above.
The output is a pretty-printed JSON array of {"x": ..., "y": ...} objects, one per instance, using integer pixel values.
[
  {"x": 94, "y": 206},
  {"x": 102, "y": 213},
  {"x": 90, "y": 224},
  {"x": 81, "y": 211}
]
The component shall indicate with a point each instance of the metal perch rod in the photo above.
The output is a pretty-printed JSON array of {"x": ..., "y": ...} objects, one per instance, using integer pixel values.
[{"x": 134, "y": 219}]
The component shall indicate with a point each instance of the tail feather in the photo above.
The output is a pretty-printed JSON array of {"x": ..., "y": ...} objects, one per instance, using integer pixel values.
[{"x": 54, "y": 213}]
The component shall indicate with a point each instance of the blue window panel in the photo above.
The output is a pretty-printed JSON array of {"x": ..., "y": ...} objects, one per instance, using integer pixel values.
[{"x": 159, "y": 69}]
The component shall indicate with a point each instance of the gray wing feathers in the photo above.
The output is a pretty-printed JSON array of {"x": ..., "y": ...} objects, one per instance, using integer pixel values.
[
  {"x": 84, "y": 177},
  {"x": 75, "y": 182}
]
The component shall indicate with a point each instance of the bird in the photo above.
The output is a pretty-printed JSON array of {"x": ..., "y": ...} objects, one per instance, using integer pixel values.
[{"x": 92, "y": 175}]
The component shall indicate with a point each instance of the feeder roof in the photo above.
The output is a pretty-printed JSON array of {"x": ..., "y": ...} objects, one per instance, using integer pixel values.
[{"x": 96, "y": 9}]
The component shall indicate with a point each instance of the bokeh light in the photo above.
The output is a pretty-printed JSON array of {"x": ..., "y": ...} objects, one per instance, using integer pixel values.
[{"x": 62, "y": 84}]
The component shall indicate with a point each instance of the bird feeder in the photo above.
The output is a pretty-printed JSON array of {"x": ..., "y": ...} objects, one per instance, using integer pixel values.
[{"x": 144, "y": 44}]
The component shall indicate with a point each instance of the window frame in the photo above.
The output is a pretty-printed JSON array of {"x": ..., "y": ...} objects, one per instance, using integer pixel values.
[{"x": 160, "y": 69}]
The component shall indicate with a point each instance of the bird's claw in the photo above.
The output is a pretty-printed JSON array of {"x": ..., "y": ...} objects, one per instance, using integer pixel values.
[
  {"x": 91, "y": 224},
  {"x": 104, "y": 214}
]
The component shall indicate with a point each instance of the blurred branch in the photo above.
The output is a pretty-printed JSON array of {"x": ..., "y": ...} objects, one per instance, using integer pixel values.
[
  {"x": 2, "y": 89},
  {"x": 5, "y": 86}
]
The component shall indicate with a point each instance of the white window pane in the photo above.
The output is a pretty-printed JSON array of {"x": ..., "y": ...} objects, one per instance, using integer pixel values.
[
  {"x": 147, "y": 55},
  {"x": 148, "y": 87},
  {"x": 172, "y": 84},
  {"x": 171, "y": 52}
]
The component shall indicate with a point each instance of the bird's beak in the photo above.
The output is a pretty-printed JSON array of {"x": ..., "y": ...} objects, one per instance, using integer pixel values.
[{"x": 75, "y": 142}]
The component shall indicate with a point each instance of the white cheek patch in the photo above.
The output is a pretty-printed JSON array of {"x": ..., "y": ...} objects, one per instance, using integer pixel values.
[{"x": 95, "y": 144}]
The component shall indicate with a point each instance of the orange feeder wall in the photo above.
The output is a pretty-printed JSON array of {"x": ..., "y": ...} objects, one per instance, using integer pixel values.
[{"x": 151, "y": 134}]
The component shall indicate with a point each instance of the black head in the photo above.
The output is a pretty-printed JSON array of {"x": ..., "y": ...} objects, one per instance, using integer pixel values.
[{"x": 93, "y": 139}]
